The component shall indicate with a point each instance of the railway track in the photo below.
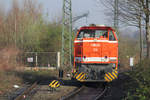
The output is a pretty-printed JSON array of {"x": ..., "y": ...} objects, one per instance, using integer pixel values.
[
  {"x": 39, "y": 91},
  {"x": 87, "y": 93},
  {"x": 28, "y": 92}
]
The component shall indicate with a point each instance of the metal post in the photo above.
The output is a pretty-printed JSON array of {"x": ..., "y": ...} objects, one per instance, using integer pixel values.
[
  {"x": 141, "y": 39},
  {"x": 66, "y": 50},
  {"x": 140, "y": 29},
  {"x": 70, "y": 33},
  {"x": 116, "y": 22},
  {"x": 36, "y": 63},
  {"x": 63, "y": 29}
]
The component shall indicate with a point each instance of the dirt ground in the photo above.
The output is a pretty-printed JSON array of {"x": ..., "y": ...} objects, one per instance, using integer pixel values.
[
  {"x": 117, "y": 89},
  {"x": 44, "y": 93}
]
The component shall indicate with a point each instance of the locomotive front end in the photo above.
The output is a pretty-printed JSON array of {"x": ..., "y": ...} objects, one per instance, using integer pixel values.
[{"x": 96, "y": 54}]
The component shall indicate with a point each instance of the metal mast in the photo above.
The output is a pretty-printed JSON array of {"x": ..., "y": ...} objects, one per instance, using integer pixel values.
[
  {"x": 116, "y": 15},
  {"x": 66, "y": 51}
]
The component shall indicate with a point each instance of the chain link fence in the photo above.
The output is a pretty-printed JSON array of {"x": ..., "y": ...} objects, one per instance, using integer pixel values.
[{"x": 40, "y": 59}]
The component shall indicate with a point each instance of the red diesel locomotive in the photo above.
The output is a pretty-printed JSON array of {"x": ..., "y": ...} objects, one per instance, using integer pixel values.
[{"x": 96, "y": 53}]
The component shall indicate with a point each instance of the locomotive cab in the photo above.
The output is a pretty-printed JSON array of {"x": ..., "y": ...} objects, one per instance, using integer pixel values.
[{"x": 96, "y": 53}]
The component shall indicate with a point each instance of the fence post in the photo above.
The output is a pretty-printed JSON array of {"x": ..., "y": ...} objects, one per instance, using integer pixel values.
[
  {"x": 58, "y": 60},
  {"x": 36, "y": 60}
]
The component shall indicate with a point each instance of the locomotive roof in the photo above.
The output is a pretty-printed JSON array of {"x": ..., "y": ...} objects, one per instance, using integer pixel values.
[{"x": 97, "y": 27}]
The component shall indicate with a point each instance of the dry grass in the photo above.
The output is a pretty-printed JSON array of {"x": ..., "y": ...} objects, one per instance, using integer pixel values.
[
  {"x": 128, "y": 48},
  {"x": 7, "y": 80},
  {"x": 7, "y": 58},
  {"x": 7, "y": 66},
  {"x": 46, "y": 94}
]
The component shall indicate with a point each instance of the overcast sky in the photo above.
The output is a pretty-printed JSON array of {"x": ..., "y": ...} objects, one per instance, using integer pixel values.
[{"x": 54, "y": 8}]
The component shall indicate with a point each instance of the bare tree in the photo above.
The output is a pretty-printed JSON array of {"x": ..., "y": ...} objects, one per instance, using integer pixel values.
[
  {"x": 134, "y": 13},
  {"x": 146, "y": 11},
  {"x": 131, "y": 14}
]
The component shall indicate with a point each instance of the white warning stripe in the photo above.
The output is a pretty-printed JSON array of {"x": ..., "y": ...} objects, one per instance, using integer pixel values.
[
  {"x": 98, "y": 59},
  {"x": 80, "y": 41}
]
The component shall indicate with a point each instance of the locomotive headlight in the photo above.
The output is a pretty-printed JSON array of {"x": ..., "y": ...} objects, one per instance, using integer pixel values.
[
  {"x": 113, "y": 66},
  {"x": 84, "y": 58}
]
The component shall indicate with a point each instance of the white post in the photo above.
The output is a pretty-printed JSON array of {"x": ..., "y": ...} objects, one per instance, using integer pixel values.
[
  {"x": 58, "y": 60},
  {"x": 131, "y": 62},
  {"x": 36, "y": 60}
]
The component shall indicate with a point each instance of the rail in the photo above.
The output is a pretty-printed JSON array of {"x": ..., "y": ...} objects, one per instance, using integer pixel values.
[
  {"x": 101, "y": 94},
  {"x": 87, "y": 93},
  {"x": 26, "y": 92},
  {"x": 72, "y": 93}
]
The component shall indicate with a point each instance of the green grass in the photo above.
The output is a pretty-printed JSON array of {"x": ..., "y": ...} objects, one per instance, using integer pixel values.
[{"x": 138, "y": 87}]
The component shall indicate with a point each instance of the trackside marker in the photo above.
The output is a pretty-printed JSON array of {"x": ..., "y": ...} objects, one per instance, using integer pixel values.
[{"x": 54, "y": 84}]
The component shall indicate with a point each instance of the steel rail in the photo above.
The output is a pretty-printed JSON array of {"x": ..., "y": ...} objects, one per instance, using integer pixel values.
[
  {"x": 101, "y": 94},
  {"x": 91, "y": 93},
  {"x": 26, "y": 92},
  {"x": 72, "y": 93}
]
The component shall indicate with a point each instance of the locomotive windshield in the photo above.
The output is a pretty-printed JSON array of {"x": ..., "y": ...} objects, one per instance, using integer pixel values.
[{"x": 92, "y": 33}]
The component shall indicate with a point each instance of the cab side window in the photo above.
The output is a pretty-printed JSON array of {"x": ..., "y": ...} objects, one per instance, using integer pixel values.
[
  {"x": 111, "y": 36},
  {"x": 80, "y": 35}
]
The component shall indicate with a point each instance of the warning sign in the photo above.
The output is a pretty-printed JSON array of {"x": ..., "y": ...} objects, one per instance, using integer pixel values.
[
  {"x": 54, "y": 84},
  {"x": 30, "y": 59}
]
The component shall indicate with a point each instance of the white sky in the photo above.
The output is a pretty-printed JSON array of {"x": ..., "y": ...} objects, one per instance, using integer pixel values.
[{"x": 54, "y": 9}]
